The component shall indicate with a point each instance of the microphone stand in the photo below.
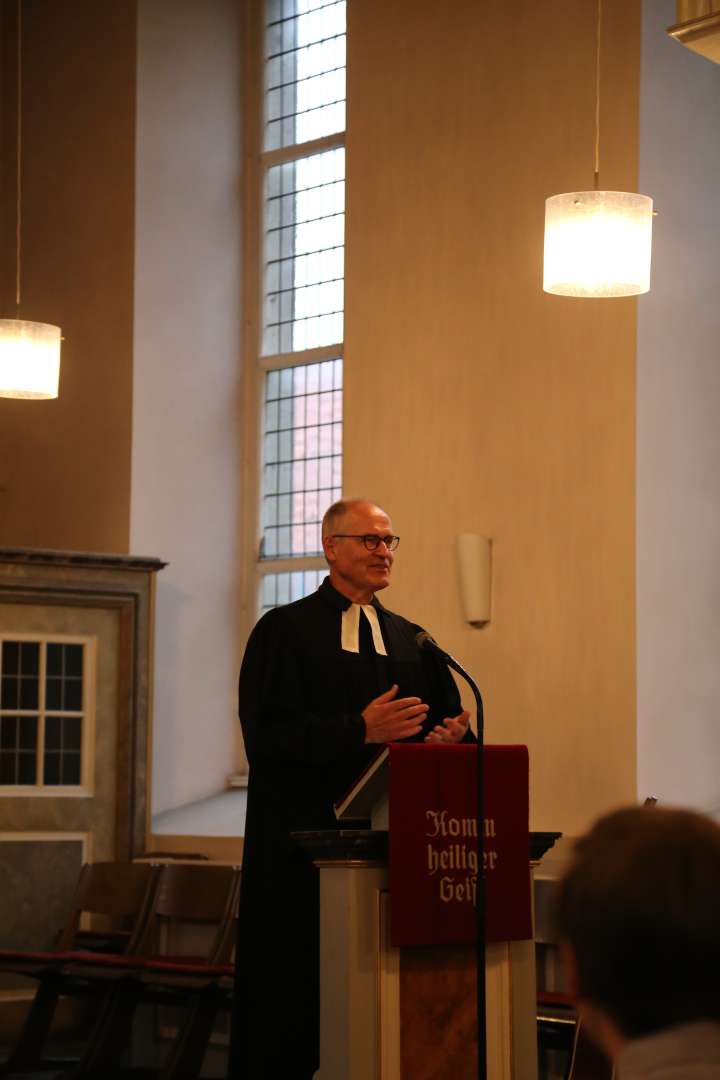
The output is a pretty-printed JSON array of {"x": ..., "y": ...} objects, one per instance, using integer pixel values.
[{"x": 426, "y": 642}]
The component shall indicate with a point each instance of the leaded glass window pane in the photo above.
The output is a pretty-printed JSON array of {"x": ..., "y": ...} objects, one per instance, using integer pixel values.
[
  {"x": 285, "y": 587},
  {"x": 304, "y": 253},
  {"x": 302, "y": 456},
  {"x": 304, "y": 71}
]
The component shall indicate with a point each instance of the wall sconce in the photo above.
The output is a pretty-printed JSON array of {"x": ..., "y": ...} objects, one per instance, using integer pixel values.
[{"x": 474, "y": 562}]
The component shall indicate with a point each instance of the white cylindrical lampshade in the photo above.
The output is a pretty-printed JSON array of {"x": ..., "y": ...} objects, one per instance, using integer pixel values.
[
  {"x": 29, "y": 359},
  {"x": 597, "y": 243}
]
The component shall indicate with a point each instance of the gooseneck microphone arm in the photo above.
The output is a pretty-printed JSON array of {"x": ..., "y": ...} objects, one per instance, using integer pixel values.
[{"x": 426, "y": 642}]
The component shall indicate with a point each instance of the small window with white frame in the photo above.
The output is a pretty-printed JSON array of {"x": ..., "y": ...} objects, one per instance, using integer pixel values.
[
  {"x": 300, "y": 321},
  {"x": 46, "y": 714}
]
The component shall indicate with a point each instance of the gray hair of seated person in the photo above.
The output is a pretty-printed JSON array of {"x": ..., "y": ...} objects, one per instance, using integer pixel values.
[{"x": 639, "y": 905}]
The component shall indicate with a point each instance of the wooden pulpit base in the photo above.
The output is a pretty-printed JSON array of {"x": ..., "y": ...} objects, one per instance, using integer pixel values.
[{"x": 409, "y": 1014}]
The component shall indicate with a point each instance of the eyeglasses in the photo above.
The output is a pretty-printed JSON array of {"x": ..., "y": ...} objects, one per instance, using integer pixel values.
[{"x": 370, "y": 540}]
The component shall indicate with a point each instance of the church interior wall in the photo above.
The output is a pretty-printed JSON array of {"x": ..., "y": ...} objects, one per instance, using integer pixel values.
[
  {"x": 130, "y": 242},
  {"x": 65, "y": 464},
  {"x": 474, "y": 402},
  {"x": 187, "y": 416}
]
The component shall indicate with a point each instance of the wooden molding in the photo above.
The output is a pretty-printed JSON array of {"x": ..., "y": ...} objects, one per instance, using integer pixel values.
[{"x": 702, "y": 34}]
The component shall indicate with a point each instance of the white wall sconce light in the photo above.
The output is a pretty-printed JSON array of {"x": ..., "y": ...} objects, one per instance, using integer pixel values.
[
  {"x": 475, "y": 567},
  {"x": 29, "y": 351},
  {"x": 597, "y": 243}
]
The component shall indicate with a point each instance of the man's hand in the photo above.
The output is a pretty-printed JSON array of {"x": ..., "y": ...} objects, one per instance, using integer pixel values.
[
  {"x": 388, "y": 718},
  {"x": 451, "y": 730}
]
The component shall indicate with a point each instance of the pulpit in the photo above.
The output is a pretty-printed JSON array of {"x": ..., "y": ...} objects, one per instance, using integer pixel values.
[{"x": 392, "y": 1010}]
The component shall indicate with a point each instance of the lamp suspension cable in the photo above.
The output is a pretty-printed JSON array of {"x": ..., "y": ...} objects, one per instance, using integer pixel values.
[
  {"x": 18, "y": 164},
  {"x": 597, "y": 94},
  {"x": 29, "y": 351}
]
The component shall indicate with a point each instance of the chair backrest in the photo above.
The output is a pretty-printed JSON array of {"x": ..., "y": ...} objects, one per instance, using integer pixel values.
[
  {"x": 193, "y": 912},
  {"x": 122, "y": 893}
]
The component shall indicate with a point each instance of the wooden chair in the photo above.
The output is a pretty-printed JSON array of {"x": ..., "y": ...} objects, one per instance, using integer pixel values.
[
  {"x": 118, "y": 893},
  {"x": 556, "y": 1027},
  {"x": 183, "y": 960},
  {"x": 208, "y": 990},
  {"x": 559, "y": 1029},
  {"x": 588, "y": 1062}
]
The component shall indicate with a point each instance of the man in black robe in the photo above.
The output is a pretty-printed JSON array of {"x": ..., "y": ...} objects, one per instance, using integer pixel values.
[{"x": 325, "y": 683}]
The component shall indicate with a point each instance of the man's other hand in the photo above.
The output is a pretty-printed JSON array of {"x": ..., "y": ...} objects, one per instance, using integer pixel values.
[
  {"x": 388, "y": 718},
  {"x": 451, "y": 730}
]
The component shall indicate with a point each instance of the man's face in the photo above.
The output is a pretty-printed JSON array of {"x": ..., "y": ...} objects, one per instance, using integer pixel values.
[{"x": 354, "y": 571}]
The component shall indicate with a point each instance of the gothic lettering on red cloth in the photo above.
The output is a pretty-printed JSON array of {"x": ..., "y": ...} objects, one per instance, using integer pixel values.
[{"x": 434, "y": 844}]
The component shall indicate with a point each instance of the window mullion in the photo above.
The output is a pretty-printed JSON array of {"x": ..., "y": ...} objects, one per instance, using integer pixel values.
[
  {"x": 42, "y": 669},
  {"x": 269, "y": 158},
  {"x": 309, "y": 356}
]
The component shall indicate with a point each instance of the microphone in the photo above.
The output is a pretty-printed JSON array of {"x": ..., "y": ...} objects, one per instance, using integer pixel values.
[{"x": 423, "y": 640}]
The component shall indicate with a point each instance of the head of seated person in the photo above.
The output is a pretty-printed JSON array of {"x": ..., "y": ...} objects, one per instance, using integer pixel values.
[{"x": 638, "y": 917}]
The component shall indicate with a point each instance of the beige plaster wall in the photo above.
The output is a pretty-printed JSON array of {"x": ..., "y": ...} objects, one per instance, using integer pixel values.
[
  {"x": 474, "y": 402},
  {"x": 65, "y": 464},
  {"x": 187, "y": 416}
]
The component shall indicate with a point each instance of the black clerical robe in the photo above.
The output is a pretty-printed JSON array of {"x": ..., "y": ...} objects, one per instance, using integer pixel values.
[{"x": 301, "y": 699}]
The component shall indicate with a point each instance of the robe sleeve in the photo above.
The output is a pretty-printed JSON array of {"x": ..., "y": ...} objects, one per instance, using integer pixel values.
[{"x": 277, "y": 720}]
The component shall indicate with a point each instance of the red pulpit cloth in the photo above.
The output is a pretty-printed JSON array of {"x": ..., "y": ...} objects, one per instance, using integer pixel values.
[{"x": 433, "y": 844}]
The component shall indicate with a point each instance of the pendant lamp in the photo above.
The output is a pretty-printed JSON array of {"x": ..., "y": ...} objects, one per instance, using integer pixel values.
[
  {"x": 29, "y": 351},
  {"x": 597, "y": 243}
]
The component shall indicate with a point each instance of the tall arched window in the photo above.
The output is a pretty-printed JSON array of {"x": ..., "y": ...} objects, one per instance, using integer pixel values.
[{"x": 295, "y": 324}]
